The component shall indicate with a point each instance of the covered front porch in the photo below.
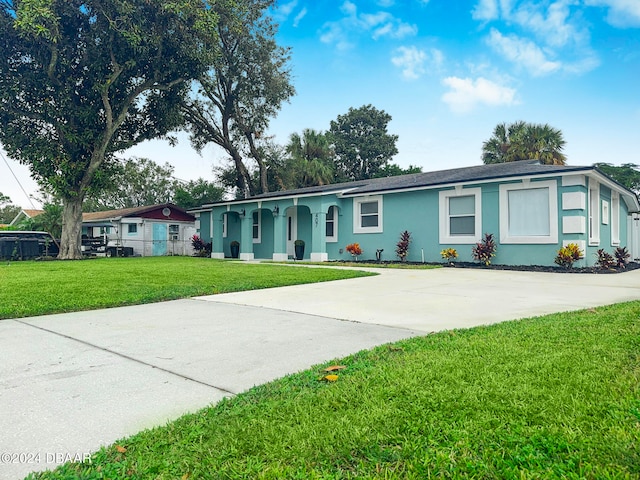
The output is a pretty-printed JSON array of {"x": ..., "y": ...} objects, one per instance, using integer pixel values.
[{"x": 269, "y": 229}]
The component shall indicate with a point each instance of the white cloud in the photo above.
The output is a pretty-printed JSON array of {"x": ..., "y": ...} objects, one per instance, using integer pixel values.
[
  {"x": 555, "y": 25},
  {"x": 548, "y": 36},
  {"x": 412, "y": 61},
  {"x": 465, "y": 94},
  {"x": 379, "y": 24},
  {"x": 522, "y": 52},
  {"x": 622, "y": 13},
  {"x": 285, "y": 9},
  {"x": 485, "y": 10},
  {"x": 488, "y": 10},
  {"x": 301, "y": 14}
]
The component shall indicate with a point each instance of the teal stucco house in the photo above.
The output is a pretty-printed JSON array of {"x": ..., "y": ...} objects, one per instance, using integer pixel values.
[{"x": 531, "y": 209}]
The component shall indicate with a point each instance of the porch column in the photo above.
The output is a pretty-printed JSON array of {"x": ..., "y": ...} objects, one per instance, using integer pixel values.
[
  {"x": 217, "y": 247},
  {"x": 319, "y": 237},
  {"x": 246, "y": 237},
  {"x": 279, "y": 238}
]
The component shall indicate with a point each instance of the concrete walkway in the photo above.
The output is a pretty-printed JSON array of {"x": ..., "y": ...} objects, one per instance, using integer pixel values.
[{"x": 70, "y": 383}]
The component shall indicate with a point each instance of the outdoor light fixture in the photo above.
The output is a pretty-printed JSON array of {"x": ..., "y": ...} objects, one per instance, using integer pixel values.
[
  {"x": 242, "y": 212},
  {"x": 276, "y": 210}
]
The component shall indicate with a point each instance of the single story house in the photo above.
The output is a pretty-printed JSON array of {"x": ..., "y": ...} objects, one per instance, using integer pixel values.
[
  {"x": 531, "y": 209},
  {"x": 25, "y": 214},
  {"x": 153, "y": 230}
]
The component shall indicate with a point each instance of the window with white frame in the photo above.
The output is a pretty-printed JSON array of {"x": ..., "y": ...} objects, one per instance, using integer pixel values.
[
  {"x": 332, "y": 224},
  {"x": 529, "y": 212},
  {"x": 594, "y": 212},
  {"x": 367, "y": 215},
  {"x": 132, "y": 228},
  {"x": 257, "y": 221},
  {"x": 460, "y": 215},
  {"x": 615, "y": 219}
]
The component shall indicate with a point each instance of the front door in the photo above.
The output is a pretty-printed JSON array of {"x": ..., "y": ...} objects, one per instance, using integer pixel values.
[
  {"x": 292, "y": 229},
  {"x": 159, "y": 239}
]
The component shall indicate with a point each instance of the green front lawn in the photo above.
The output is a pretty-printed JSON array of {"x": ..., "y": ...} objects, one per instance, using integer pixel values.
[
  {"x": 38, "y": 288},
  {"x": 550, "y": 397}
]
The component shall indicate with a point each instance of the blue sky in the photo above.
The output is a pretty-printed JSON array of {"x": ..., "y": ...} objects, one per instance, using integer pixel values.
[{"x": 448, "y": 72}]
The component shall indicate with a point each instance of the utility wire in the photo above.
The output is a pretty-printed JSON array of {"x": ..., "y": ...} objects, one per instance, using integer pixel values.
[{"x": 14, "y": 176}]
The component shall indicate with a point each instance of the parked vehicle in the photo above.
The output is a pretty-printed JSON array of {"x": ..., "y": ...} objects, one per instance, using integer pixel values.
[
  {"x": 27, "y": 245},
  {"x": 103, "y": 246}
]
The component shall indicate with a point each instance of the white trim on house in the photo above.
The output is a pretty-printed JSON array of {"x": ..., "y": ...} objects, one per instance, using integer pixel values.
[
  {"x": 594, "y": 213},
  {"x": 225, "y": 225},
  {"x": 333, "y": 220},
  {"x": 256, "y": 226},
  {"x": 370, "y": 216},
  {"x": 444, "y": 202},
  {"x": 615, "y": 219},
  {"x": 507, "y": 218}
]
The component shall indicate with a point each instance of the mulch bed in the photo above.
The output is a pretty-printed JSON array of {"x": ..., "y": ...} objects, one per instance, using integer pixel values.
[
  {"x": 520, "y": 268},
  {"x": 543, "y": 268}
]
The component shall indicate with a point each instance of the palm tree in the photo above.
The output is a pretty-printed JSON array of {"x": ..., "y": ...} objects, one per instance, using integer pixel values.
[
  {"x": 311, "y": 159},
  {"x": 524, "y": 141}
]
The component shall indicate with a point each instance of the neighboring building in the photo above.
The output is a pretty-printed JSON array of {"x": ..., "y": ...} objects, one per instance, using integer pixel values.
[
  {"x": 25, "y": 214},
  {"x": 153, "y": 230},
  {"x": 531, "y": 209}
]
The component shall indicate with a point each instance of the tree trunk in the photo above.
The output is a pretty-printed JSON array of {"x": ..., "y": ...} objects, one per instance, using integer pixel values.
[
  {"x": 242, "y": 174},
  {"x": 70, "y": 241}
]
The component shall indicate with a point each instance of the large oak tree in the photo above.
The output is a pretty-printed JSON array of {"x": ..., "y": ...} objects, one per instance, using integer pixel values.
[
  {"x": 361, "y": 143},
  {"x": 238, "y": 97},
  {"x": 83, "y": 79}
]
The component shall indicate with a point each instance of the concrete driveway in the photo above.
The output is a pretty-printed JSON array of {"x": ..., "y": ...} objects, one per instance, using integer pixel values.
[{"x": 70, "y": 383}]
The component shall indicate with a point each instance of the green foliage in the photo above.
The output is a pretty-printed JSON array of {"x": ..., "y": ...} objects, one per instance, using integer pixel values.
[
  {"x": 135, "y": 182},
  {"x": 402, "y": 247},
  {"x": 604, "y": 259},
  {"x": 309, "y": 162},
  {"x": 54, "y": 287},
  {"x": 553, "y": 397},
  {"x": 48, "y": 221},
  {"x": 568, "y": 255},
  {"x": 485, "y": 250},
  {"x": 196, "y": 193},
  {"x": 361, "y": 142},
  {"x": 8, "y": 211},
  {"x": 82, "y": 80},
  {"x": 622, "y": 256},
  {"x": 524, "y": 141},
  {"x": 246, "y": 87},
  {"x": 393, "y": 170},
  {"x": 626, "y": 174}
]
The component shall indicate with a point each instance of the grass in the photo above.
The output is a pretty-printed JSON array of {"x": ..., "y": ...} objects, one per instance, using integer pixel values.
[
  {"x": 549, "y": 397},
  {"x": 38, "y": 288}
]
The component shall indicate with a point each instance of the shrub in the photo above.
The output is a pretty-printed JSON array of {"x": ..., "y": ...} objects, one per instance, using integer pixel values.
[
  {"x": 201, "y": 248},
  {"x": 568, "y": 255},
  {"x": 449, "y": 254},
  {"x": 622, "y": 256},
  {"x": 485, "y": 249},
  {"x": 605, "y": 260},
  {"x": 354, "y": 249},
  {"x": 402, "y": 247}
]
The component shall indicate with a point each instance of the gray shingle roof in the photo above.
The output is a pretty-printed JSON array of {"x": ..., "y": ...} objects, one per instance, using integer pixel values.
[{"x": 426, "y": 179}]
